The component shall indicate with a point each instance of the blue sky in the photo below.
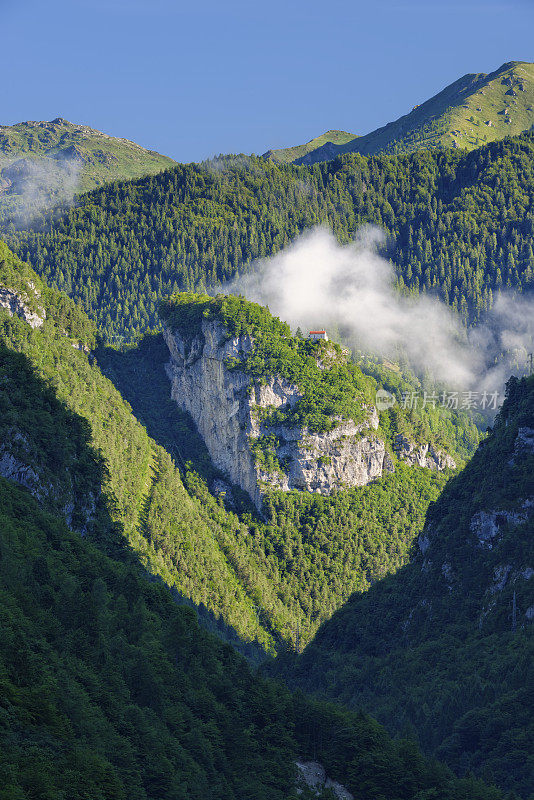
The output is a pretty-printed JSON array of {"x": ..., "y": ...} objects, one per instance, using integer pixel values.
[{"x": 200, "y": 78}]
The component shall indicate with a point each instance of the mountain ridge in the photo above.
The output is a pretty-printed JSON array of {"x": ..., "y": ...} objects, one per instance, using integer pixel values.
[
  {"x": 473, "y": 110},
  {"x": 43, "y": 163},
  {"x": 457, "y": 224}
]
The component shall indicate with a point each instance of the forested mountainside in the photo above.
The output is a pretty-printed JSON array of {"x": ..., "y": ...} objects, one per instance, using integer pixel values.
[
  {"x": 109, "y": 688},
  {"x": 273, "y": 580},
  {"x": 458, "y": 224},
  {"x": 445, "y": 647},
  {"x": 46, "y": 162},
  {"x": 472, "y": 111}
]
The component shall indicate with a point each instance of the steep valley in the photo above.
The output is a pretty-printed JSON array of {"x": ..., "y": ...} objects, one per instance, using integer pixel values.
[
  {"x": 169, "y": 457},
  {"x": 109, "y": 686},
  {"x": 263, "y": 583}
]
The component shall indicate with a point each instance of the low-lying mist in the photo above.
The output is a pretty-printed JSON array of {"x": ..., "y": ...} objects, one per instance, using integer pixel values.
[
  {"x": 315, "y": 282},
  {"x": 29, "y": 186}
]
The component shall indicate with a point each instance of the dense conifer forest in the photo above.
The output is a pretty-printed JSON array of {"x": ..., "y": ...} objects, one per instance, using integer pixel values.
[
  {"x": 109, "y": 687},
  {"x": 109, "y": 690},
  {"x": 444, "y": 648},
  {"x": 128, "y": 470},
  {"x": 457, "y": 224}
]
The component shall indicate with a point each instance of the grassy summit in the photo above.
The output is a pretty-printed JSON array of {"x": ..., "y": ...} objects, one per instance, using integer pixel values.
[
  {"x": 289, "y": 154},
  {"x": 48, "y": 161},
  {"x": 472, "y": 111}
]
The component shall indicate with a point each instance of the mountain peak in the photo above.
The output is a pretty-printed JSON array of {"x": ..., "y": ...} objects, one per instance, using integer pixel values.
[
  {"x": 473, "y": 110},
  {"x": 58, "y": 158}
]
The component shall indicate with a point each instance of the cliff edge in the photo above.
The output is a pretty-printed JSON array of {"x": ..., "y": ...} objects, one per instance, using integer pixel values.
[{"x": 276, "y": 412}]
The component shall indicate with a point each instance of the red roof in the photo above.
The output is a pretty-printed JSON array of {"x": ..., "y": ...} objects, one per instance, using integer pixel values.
[{"x": 317, "y": 331}]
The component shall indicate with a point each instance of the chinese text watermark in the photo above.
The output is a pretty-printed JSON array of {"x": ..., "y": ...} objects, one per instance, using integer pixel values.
[{"x": 454, "y": 400}]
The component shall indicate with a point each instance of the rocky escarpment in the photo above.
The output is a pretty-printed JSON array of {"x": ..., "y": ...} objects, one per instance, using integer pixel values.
[
  {"x": 17, "y": 303},
  {"x": 422, "y": 455},
  {"x": 227, "y": 407},
  {"x": 311, "y": 776},
  {"x": 232, "y": 414},
  {"x": 487, "y": 526},
  {"x": 19, "y": 464}
]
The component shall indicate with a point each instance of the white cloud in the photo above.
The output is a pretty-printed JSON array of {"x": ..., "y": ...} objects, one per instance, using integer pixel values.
[{"x": 316, "y": 282}]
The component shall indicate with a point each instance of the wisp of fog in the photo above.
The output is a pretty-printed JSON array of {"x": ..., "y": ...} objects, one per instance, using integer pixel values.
[
  {"x": 316, "y": 282},
  {"x": 33, "y": 185}
]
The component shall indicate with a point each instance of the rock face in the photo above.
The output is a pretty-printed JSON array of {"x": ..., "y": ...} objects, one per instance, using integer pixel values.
[
  {"x": 487, "y": 526},
  {"x": 312, "y": 776},
  {"x": 227, "y": 409},
  {"x": 524, "y": 442},
  {"x": 17, "y": 304},
  {"x": 423, "y": 455},
  {"x": 17, "y": 464},
  {"x": 17, "y": 471},
  {"x": 230, "y": 411}
]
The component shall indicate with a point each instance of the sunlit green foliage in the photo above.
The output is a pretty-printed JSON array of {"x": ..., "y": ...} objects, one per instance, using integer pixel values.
[
  {"x": 109, "y": 690},
  {"x": 472, "y": 111}
]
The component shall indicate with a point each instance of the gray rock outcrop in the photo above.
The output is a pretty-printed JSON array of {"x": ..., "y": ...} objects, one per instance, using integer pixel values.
[
  {"x": 18, "y": 464},
  {"x": 13, "y": 469},
  {"x": 227, "y": 407},
  {"x": 487, "y": 526},
  {"x": 16, "y": 303},
  {"x": 312, "y": 775},
  {"x": 230, "y": 410},
  {"x": 422, "y": 455}
]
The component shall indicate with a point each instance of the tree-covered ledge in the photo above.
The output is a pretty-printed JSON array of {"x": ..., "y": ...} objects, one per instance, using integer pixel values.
[{"x": 332, "y": 388}]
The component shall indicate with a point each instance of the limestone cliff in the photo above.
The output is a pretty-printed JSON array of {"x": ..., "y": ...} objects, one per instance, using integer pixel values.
[
  {"x": 422, "y": 455},
  {"x": 23, "y": 457},
  {"x": 232, "y": 414},
  {"x": 17, "y": 303},
  {"x": 311, "y": 776}
]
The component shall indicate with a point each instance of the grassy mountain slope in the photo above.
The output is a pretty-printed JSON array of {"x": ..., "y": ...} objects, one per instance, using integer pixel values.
[
  {"x": 291, "y": 154},
  {"x": 45, "y": 162},
  {"x": 445, "y": 647},
  {"x": 459, "y": 225},
  {"x": 271, "y": 581},
  {"x": 472, "y": 111}
]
